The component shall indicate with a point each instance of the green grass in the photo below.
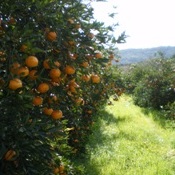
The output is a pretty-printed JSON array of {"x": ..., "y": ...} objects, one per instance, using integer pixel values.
[{"x": 130, "y": 141}]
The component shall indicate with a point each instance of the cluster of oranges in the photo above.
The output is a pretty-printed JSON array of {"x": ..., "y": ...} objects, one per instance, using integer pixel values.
[
  {"x": 42, "y": 88},
  {"x": 60, "y": 170},
  {"x": 54, "y": 83},
  {"x": 29, "y": 69},
  {"x": 32, "y": 66}
]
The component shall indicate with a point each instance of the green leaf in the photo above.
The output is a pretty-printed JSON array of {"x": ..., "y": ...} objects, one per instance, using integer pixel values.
[{"x": 3, "y": 150}]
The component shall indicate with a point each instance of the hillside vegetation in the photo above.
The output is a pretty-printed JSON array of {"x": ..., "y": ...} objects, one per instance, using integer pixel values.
[
  {"x": 151, "y": 84},
  {"x": 129, "y": 56}
]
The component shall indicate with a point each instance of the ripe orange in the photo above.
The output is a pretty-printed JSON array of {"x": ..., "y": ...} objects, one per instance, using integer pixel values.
[
  {"x": 15, "y": 84},
  {"x": 99, "y": 55},
  {"x": 57, "y": 114},
  {"x": 52, "y": 99},
  {"x": 72, "y": 86},
  {"x": 43, "y": 88},
  {"x": 46, "y": 64},
  {"x": 47, "y": 111},
  {"x": 85, "y": 78},
  {"x": 69, "y": 70},
  {"x": 61, "y": 168},
  {"x": 31, "y": 61},
  {"x": 37, "y": 101},
  {"x": 55, "y": 73},
  {"x": 56, "y": 80},
  {"x": 72, "y": 89},
  {"x": 79, "y": 101},
  {"x": 23, "y": 71},
  {"x": 57, "y": 63},
  {"x": 95, "y": 78},
  {"x": 14, "y": 67},
  {"x": 33, "y": 74},
  {"x": 56, "y": 170},
  {"x": 9, "y": 155},
  {"x": 51, "y": 36},
  {"x": 73, "y": 83},
  {"x": 85, "y": 64}
]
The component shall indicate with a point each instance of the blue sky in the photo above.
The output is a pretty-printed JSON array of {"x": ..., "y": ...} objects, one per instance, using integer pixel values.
[{"x": 149, "y": 23}]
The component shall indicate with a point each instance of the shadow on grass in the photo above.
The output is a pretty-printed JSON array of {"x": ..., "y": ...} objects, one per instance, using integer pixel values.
[
  {"x": 103, "y": 118},
  {"x": 109, "y": 118},
  {"x": 157, "y": 116},
  {"x": 99, "y": 138}
]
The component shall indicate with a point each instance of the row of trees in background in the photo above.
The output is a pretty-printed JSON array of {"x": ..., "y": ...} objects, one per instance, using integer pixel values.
[
  {"x": 54, "y": 75},
  {"x": 152, "y": 83}
]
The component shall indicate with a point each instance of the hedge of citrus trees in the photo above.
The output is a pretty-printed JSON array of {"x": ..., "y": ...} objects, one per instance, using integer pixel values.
[
  {"x": 54, "y": 75},
  {"x": 152, "y": 82}
]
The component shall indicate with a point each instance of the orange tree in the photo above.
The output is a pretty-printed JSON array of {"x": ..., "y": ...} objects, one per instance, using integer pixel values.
[
  {"x": 54, "y": 75},
  {"x": 152, "y": 82}
]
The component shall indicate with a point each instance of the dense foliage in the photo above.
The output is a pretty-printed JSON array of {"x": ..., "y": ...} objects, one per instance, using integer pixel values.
[
  {"x": 54, "y": 75},
  {"x": 152, "y": 82}
]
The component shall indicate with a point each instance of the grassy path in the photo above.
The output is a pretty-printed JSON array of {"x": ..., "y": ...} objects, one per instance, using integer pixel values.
[{"x": 129, "y": 141}]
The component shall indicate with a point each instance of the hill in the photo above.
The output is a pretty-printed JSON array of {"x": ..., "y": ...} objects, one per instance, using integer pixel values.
[{"x": 129, "y": 56}]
